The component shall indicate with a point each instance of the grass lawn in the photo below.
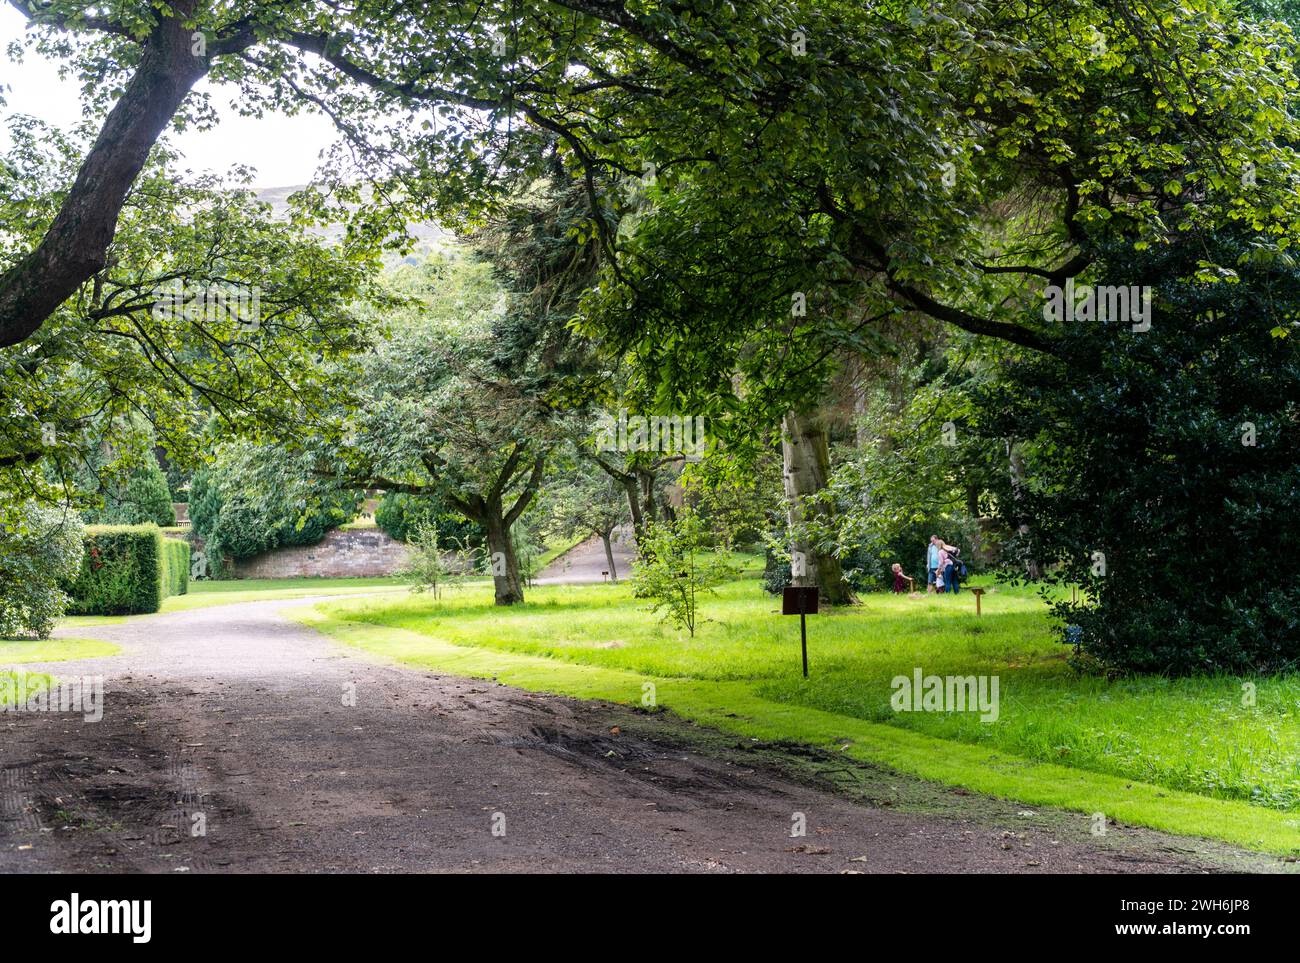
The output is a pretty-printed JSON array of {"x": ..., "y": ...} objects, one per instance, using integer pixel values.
[
  {"x": 43, "y": 650},
  {"x": 54, "y": 650},
  {"x": 207, "y": 593},
  {"x": 12, "y": 683},
  {"x": 1182, "y": 755}
]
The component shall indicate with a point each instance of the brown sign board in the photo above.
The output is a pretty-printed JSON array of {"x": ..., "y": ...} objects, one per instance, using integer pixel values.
[{"x": 799, "y": 601}]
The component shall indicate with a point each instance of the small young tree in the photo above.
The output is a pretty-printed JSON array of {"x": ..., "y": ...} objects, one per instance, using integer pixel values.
[
  {"x": 428, "y": 568},
  {"x": 677, "y": 565},
  {"x": 38, "y": 556},
  {"x": 528, "y": 551}
]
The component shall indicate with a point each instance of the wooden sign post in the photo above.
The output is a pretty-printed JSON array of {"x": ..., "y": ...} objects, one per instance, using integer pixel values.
[
  {"x": 802, "y": 602},
  {"x": 977, "y": 592}
]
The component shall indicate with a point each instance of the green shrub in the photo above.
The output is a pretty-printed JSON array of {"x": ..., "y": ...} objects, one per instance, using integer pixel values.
[
  {"x": 1159, "y": 465},
  {"x": 123, "y": 571},
  {"x": 38, "y": 557},
  {"x": 253, "y": 499},
  {"x": 776, "y": 573},
  {"x": 404, "y": 517},
  {"x": 139, "y": 498}
]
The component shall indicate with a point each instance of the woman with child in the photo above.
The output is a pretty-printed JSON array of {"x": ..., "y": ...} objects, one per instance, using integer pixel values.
[{"x": 943, "y": 568}]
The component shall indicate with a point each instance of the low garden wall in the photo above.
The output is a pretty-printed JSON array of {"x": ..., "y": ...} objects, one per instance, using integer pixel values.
[{"x": 342, "y": 553}]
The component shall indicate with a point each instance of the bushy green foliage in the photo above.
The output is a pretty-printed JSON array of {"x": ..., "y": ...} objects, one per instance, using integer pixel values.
[
  {"x": 776, "y": 572},
  {"x": 677, "y": 564},
  {"x": 255, "y": 498},
  {"x": 1160, "y": 465},
  {"x": 124, "y": 571},
  {"x": 140, "y": 497},
  {"x": 405, "y": 516},
  {"x": 104, "y": 372},
  {"x": 176, "y": 566},
  {"x": 37, "y": 558},
  {"x": 436, "y": 562}
]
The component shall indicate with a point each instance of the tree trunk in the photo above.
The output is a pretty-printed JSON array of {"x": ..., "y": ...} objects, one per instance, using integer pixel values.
[
  {"x": 609, "y": 556},
  {"x": 806, "y": 452},
  {"x": 75, "y": 246},
  {"x": 502, "y": 559},
  {"x": 649, "y": 504},
  {"x": 628, "y": 480},
  {"x": 634, "y": 506}
]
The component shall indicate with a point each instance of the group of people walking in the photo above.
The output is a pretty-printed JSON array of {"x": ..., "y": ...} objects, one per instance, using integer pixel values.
[{"x": 943, "y": 566}]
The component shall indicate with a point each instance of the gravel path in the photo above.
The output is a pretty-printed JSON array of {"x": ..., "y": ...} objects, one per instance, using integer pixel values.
[
  {"x": 587, "y": 562},
  {"x": 233, "y": 719}
]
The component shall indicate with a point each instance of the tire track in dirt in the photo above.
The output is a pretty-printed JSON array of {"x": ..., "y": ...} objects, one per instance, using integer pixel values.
[{"x": 299, "y": 754}]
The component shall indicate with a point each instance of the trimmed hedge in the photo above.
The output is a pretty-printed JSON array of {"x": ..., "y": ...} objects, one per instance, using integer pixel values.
[
  {"x": 176, "y": 559},
  {"x": 128, "y": 570}
]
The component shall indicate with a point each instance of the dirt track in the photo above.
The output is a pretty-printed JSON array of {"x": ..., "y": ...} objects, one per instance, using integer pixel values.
[{"x": 237, "y": 714}]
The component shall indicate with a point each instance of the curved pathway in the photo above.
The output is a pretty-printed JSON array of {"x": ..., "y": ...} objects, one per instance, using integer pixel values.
[
  {"x": 586, "y": 562},
  {"x": 236, "y": 721}
]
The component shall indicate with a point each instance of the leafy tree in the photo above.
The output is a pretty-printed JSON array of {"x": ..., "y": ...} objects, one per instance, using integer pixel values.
[
  {"x": 1157, "y": 467},
  {"x": 253, "y": 499},
  {"x": 984, "y": 153},
  {"x": 436, "y": 413},
  {"x": 676, "y": 566},
  {"x": 39, "y": 555},
  {"x": 123, "y": 360},
  {"x": 142, "y": 496},
  {"x": 864, "y": 136}
]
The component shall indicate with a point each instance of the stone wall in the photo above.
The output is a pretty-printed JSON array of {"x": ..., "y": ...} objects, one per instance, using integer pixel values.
[{"x": 343, "y": 553}]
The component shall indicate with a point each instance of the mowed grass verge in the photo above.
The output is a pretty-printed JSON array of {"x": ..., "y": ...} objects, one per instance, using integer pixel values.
[
  {"x": 20, "y": 652},
  {"x": 53, "y": 650},
  {"x": 205, "y": 594},
  {"x": 1180, "y": 755}
]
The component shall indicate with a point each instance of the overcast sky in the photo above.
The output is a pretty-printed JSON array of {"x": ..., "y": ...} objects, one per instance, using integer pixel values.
[{"x": 284, "y": 150}]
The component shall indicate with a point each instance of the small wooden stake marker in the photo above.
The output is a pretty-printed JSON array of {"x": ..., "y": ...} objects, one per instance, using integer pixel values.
[{"x": 977, "y": 592}]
